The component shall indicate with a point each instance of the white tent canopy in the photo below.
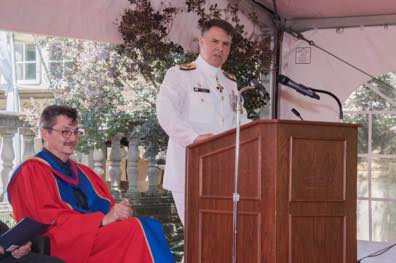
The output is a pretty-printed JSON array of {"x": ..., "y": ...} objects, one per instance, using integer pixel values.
[
  {"x": 360, "y": 32},
  {"x": 98, "y": 20},
  {"x": 364, "y": 41},
  {"x": 364, "y": 46},
  {"x": 85, "y": 19},
  {"x": 367, "y": 48},
  {"x": 309, "y": 14}
]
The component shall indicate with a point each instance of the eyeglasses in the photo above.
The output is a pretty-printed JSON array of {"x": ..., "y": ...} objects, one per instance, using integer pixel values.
[{"x": 67, "y": 133}]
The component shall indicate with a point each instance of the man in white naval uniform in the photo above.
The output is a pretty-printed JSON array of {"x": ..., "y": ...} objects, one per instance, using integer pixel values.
[{"x": 196, "y": 101}]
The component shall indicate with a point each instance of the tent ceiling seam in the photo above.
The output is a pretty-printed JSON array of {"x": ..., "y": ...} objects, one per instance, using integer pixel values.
[{"x": 305, "y": 24}]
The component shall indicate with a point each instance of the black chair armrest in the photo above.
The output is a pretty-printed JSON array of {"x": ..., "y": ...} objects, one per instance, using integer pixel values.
[{"x": 41, "y": 244}]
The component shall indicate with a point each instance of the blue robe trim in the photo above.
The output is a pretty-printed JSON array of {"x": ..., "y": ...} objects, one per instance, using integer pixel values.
[
  {"x": 156, "y": 240},
  {"x": 95, "y": 202}
]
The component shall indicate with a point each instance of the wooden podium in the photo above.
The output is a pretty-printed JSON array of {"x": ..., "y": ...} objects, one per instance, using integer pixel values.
[{"x": 297, "y": 186}]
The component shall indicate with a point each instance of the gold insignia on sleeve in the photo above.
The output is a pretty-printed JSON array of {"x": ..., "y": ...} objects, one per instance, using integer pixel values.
[
  {"x": 230, "y": 76},
  {"x": 188, "y": 66}
]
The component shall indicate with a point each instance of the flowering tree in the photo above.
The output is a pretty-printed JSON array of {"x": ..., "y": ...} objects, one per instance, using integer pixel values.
[
  {"x": 116, "y": 86},
  {"x": 145, "y": 32},
  {"x": 91, "y": 80}
]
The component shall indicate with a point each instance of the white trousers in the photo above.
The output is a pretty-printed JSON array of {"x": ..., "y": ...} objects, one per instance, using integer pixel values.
[{"x": 178, "y": 197}]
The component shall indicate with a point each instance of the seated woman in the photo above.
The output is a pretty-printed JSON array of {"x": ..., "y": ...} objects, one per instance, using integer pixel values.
[{"x": 23, "y": 254}]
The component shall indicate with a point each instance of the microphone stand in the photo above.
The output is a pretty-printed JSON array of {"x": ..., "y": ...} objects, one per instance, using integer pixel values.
[
  {"x": 235, "y": 196},
  {"x": 341, "y": 116}
]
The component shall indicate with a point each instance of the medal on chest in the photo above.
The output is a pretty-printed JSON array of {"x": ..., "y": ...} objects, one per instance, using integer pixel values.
[{"x": 219, "y": 87}]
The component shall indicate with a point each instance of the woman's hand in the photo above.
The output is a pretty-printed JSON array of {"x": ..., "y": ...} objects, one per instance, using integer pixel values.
[{"x": 22, "y": 250}]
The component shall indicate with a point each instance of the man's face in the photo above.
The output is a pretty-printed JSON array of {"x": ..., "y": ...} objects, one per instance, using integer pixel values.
[
  {"x": 214, "y": 46},
  {"x": 59, "y": 143}
]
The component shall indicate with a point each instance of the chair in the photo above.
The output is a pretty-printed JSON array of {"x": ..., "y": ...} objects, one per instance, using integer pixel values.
[{"x": 40, "y": 244}]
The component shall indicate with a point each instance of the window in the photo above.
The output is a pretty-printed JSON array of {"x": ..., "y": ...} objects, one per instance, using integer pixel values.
[
  {"x": 27, "y": 65},
  {"x": 58, "y": 63},
  {"x": 373, "y": 105}
]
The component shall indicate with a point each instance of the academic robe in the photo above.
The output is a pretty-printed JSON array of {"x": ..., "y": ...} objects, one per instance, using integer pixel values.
[{"x": 39, "y": 189}]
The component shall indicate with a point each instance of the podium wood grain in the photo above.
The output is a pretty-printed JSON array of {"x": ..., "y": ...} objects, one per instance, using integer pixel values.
[{"x": 297, "y": 186}]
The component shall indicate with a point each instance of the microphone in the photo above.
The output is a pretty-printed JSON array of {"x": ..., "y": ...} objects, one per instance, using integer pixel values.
[
  {"x": 297, "y": 113},
  {"x": 298, "y": 87},
  {"x": 260, "y": 89}
]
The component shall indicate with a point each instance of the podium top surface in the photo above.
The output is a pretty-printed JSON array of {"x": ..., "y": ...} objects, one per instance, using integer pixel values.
[{"x": 278, "y": 122}]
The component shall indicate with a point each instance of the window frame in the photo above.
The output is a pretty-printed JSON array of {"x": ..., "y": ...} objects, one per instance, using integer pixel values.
[
  {"x": 370, "y": 157},
  {"x": 24, "y": 62}
]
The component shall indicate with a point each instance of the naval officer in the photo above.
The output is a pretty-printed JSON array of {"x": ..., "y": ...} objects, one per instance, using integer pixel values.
[{"x": 196, "y": 101}]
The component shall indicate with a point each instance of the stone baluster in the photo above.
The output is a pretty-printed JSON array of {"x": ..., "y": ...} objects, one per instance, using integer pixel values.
[
  {"x": 115, "y": 165},
  {"x": 98, "y": 157},
  {"x": 28, "y": 142},
  {"x": 7, "y": 156},
  {"x": 152, "y": 173},
  {"x": 132, "y": 169},
  {"x": 90, "y": 161}
]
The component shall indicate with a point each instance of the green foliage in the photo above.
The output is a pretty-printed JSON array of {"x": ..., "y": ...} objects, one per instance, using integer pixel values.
[
  {"x": 146, "y": 128},
  {"x": 376, "y": 166},
  {"x": 249, "y": 56},
  {"x": 366, "y": 100},
  {"x": 90, "y": 82},
  {"x": 359, "y": 100},
  {"x": 145, "y": 34},
  {"x": 114, "y": 87}
]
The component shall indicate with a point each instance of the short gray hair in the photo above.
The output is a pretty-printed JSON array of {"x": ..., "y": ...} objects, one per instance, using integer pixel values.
[
  {"x": 227, "y": 27},
  {"x": 50, "y": 113}
]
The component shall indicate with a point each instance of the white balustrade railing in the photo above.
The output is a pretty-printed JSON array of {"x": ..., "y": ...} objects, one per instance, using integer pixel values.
[
  {"x": 132, "y": 166},
  {"x": 115, "y": 164},
  {"x": 28, "y": 136},
  {"x": 11, "y": 126},
  {"x": 152, "y": 173},
  {"x": 98, "y": 157}
]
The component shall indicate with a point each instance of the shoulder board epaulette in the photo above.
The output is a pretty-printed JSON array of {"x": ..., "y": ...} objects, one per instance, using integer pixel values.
[
  {"x": 188, "y": 66},
  {"x": 230, "y": 76}
]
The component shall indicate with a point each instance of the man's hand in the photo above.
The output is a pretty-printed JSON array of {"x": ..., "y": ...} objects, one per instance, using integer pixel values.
[
  {"x": 22, "y": 250},
  {"x": 1, "y": 250},
  {"x": 125, "y": 210},
  {"x": 120, "y": 211},
  {"x": 203, "y": 137}
]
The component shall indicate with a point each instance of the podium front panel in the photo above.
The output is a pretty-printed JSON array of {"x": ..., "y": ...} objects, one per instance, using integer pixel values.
[{"x": 297, "y": 185}]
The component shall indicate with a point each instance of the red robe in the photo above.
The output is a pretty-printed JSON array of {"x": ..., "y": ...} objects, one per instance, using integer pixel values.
[{"x": 76, "y": 237}]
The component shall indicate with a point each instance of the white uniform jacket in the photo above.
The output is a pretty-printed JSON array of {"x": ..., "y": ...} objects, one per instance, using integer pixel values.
[{"x": 190, "y": 104}]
